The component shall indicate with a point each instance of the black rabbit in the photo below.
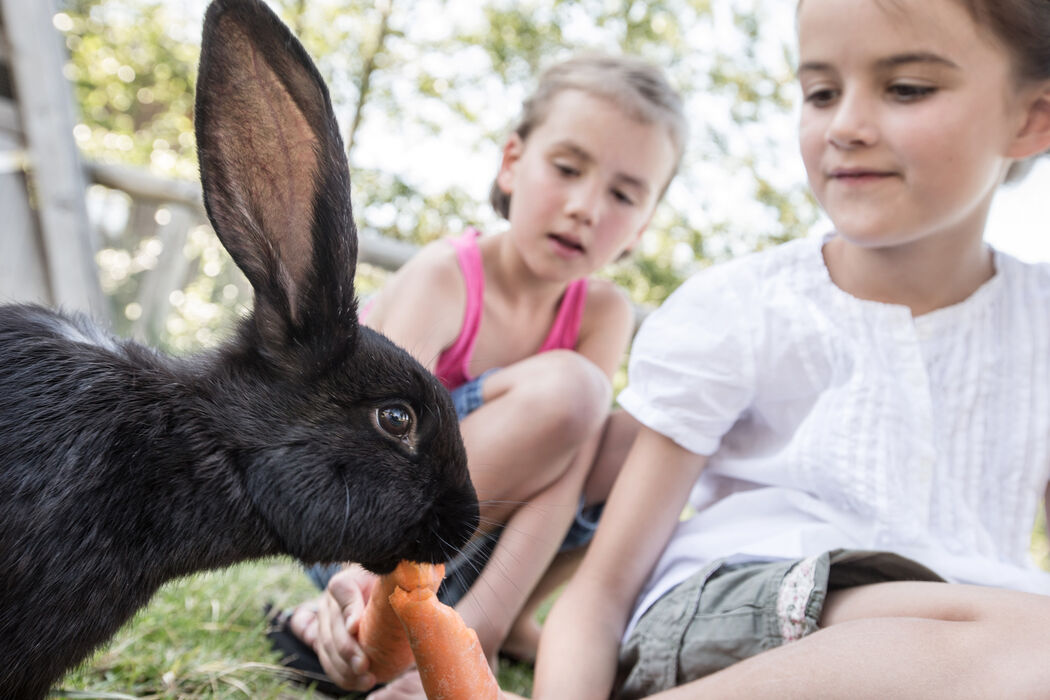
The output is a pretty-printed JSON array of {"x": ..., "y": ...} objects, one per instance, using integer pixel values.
[{"x": 306, "y": 434}]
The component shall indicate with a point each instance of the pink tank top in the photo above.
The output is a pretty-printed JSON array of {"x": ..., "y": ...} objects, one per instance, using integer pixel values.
[{"x": 451, "y": 367}]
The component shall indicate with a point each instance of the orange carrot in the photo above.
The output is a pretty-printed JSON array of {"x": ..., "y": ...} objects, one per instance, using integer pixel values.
[
  {"x": 448, "y": 655},
  {"x": 381, "y": 635}
]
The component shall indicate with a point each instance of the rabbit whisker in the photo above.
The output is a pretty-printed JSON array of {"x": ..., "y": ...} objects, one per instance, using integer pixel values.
[
  {"x": 461, "y": 578},
  {"x": 434, "y": 414},
  {"x": 448, "y": 550},
  {"x": 494, "y": 501},
  {"x": 525, "y": 533},
  {"x": 346, "y": 509}
]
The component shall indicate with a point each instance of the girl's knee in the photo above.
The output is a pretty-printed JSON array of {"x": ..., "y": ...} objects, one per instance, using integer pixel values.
[
  {"x": 567, "y": 390},
  {"x": 989, "y": 605},
  {"x": 987, "y": 608},
  {"x": 1014, "y": 644}
]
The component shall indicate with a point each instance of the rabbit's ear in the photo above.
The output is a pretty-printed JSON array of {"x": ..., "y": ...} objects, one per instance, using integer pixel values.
[{"x": 275, "y": 178}]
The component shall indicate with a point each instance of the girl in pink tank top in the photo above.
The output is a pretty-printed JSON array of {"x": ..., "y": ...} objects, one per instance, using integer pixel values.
[
  {"x": 452, "y": 365},
  {"x": 528, "y": 342}
]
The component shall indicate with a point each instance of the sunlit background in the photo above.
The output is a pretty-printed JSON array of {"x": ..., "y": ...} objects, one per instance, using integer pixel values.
[{"x": 425, "y": 91}]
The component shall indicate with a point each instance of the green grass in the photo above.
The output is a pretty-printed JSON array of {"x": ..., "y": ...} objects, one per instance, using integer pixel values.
[{"x": 203, "y": 637}]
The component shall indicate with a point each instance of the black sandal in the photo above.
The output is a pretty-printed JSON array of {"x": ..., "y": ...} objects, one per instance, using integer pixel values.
[{"x": 300, "y": 658}]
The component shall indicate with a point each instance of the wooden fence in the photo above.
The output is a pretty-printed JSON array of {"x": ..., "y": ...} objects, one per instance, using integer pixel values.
[
  {"x": 184, "y": 211},
  {"x": 46, "y": 249}
]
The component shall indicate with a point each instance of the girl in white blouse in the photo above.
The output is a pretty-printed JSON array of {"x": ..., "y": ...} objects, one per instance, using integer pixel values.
[{"x": 856, "y": 419}]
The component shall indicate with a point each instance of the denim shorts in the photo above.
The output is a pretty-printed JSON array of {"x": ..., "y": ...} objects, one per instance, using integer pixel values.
[
  {"x": 729, "y": 612},
  {"x": 467, "y": 397}
]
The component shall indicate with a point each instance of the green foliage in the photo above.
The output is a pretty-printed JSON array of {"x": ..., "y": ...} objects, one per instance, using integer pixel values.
[
  {"x": 442, "y": 80},
  {"x": 133, "y": 81},
  {"x": 1041, "y": 542}
]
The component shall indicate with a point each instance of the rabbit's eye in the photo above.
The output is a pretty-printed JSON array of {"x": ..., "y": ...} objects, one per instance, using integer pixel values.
[{"x": 395, "y": 420}]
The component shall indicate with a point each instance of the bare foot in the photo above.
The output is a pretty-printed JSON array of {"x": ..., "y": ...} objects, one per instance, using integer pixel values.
[{"x": 303, "y": 621}]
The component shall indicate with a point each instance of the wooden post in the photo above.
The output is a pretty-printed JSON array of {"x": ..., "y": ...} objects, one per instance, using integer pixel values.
[
  {"x": 170, "y": 274},
  {"x": 44, "y": 102},
  {"x": 23, "y": 276}
]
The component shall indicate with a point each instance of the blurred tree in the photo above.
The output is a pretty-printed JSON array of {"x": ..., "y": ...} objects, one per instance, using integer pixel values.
[{"x": 426, "y": 90}]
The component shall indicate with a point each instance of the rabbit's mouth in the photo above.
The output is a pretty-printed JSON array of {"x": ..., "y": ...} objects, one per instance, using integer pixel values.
[{"x": 381, "y": 566}]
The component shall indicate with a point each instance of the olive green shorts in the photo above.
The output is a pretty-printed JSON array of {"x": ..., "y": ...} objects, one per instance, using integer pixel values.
[{"x": 728, "y": 612}]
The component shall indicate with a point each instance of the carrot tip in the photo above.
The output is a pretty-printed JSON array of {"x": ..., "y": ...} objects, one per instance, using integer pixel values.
[
  {"x": 381, "y": 634},
  {"x": 451, "y": 662},
  {"x": 411, "y": 575}
]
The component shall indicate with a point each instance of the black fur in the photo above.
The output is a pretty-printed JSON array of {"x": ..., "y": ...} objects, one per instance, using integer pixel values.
[{"x": 122, "y": 468}]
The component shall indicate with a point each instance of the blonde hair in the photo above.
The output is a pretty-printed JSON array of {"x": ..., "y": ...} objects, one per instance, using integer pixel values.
[{"x": 631, "y": 83}]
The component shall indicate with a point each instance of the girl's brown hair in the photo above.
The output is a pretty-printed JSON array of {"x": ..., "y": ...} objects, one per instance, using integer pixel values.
[
  {"x": 1022, "y": 27},
  {"x": 632, "y": 84}
]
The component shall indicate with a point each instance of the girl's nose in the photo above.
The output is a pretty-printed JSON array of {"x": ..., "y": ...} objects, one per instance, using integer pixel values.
[
  {"x": 583, "y": 204},
  {"x": 853, "y": 122}
]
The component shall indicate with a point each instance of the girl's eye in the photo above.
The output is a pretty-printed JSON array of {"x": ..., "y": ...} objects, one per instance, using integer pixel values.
[
  {"x": 622, "y": 197},
  {"x": 394, "y": 420},
  {"x": 566, "y": 170},
  {"x": 821, "y": 97},
  {"x": 909, "y": 92}
]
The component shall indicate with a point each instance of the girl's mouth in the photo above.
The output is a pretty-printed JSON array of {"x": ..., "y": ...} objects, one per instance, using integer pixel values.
[
  {"x": 858, "y": 176},
  {"x": 566, "y": 245}
]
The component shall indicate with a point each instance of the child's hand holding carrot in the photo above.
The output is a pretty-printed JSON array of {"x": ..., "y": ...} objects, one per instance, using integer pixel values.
[
  {"x": 360, "y": 640},
  {"x": 402, "y": 624},
  {"x": 335, "y": 637}
]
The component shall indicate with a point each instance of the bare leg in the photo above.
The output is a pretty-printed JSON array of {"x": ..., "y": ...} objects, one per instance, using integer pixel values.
[
  {"x": 523, "y": 554},
  {"x": 536, "y": 416},
  {"x": 531, "y": 447},
  {"x": 524, "y": 637},
  {"x": 617, "y": 436},
  {"x": 903, "y": 640}
]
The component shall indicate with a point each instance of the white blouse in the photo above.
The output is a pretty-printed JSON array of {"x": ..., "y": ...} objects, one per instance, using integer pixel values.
[{"x": 833, "y": 421}]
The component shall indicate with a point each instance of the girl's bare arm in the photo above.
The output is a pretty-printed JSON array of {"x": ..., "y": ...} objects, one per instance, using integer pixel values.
[
  {"x": 421, "y": 306},
  {"x": 606, "y": 327},
  {"x": 581, "y": 638}
]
